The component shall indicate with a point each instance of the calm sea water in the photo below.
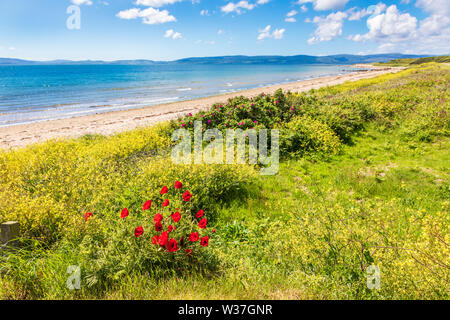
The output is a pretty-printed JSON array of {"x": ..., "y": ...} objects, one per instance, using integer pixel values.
[{"x": 38, "y": 93}]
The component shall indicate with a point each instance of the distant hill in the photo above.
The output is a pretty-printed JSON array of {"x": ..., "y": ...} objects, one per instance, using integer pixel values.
[
  {"x": 413, "y": 61},
  {"x": 298, "y": 59}
]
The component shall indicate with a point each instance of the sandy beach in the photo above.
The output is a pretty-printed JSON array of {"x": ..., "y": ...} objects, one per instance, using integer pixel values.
[{"x": 117, "y": 121}]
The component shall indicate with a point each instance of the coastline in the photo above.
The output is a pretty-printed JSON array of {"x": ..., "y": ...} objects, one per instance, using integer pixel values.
[{"x": 117, "y": 121}]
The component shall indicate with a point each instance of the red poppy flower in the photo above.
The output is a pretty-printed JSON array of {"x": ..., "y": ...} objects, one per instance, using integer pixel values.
[
  {"x": 204, "y": 241},
  {"x": 213, "y": 230},
  {"x": 193, "y": 237},
  {"x": 178, "y": 185},
  {"x": 124, "y": 213},
  {"x": 171, "y": 228},
  {"x": 87, "y": 215},
  {"x": 176, "y": 216},
  {"x": 165, "y": 203},
  {"x": 163, "y": 238},
  {"x": 147, "y": 205},
  {"x": 155, "y": 239},
  {"x": 202, "y": 224},
  {"x": 158, "y": 218},
  {"x": 199, "y": 214},
  {"x": 158, "y": 227},
  {"x": 172, "y": 246},
  {"x": 164, "y": 190},
  {"x": 138, "y": 232},
  {"x": 187, "y": 196},
  {"x": 189, "y": 252}
]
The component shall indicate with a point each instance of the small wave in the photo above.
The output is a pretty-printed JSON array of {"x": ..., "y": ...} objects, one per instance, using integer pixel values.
[{"x": 184, "y": 89}]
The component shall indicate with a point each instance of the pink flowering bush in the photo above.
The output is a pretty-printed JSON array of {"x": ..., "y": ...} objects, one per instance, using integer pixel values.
[{"x": 261, "y": 112}]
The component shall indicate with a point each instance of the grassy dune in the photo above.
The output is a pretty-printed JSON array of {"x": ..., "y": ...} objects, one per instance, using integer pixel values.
[
  {"x": 363, "y": 181},
  {"x": 416, "y": 61}
]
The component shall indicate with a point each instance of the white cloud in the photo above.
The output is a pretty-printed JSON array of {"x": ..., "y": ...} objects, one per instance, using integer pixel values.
[
  {"x": 371, "y": 10},
  {"x": 434, "y": 25},
  {"x": 304, "y": 8},
  {"x": 129, "y": 14},
  {"x": 220, "y": 32},
  {"x": 237, "y": 7},
  {"x": 266, "y": 34},
  {"x": 439, "y": 7},
  {"x": 149, "y": 15},
  {"x": 241, "y": 6},
  {"x": 291, "y": 13},
  {"x": 328, "y": 28},
  {"x": 400, "y": 32},
  {"x": 391, "y": 26},
  {"x": 290, "y": 16},
  {"x": 325, "y": 4},
  {"x": 204, "y": 13},
  {"x": 156, "y": 3},
  {"x": 172, "y": 34},
  {"x": 278, "y": 33},
  {"x": 80, "y": 2}
]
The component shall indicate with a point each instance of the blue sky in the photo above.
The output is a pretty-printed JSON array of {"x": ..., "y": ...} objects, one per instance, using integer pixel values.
[{"x": 172, "y": 29}]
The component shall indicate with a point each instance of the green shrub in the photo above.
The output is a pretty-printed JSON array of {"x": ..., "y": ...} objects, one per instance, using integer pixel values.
[{"x": 305, "y": 135}]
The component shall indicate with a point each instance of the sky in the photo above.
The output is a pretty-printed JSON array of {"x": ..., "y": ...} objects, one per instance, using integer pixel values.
[{"x": 173, "y": 29}]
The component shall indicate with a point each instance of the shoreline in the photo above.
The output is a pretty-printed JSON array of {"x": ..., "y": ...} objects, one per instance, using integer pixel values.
[{"x": 111, "y": 122}]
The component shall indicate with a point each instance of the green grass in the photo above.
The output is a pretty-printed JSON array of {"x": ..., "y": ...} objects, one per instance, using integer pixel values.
[{"x": 310, "y": 232}]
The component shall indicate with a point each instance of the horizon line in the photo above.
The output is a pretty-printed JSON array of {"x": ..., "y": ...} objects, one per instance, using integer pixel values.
[{"x": 225, "y": 56}]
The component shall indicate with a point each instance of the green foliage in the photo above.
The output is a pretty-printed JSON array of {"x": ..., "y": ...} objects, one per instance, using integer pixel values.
[
  {"x": 309, "y": 232},
  {"x": 304, "y": 135}
]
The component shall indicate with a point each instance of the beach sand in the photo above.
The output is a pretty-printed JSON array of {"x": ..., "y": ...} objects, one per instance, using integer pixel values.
[{"x": 117, "y": 121}]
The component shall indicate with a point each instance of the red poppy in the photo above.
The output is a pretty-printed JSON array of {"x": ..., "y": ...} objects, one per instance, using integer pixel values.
[
  {"x": 87, "y": 215},
  {"x": 138, "y": 232},
  {"x": 172, "y": 246},
  {"x": 202, "y": 224},
  {"x": 158, "y": 227},
  {"x": 158, "y": 217},
  {"x": 147, "y": 205},
  {"x": 187, "y": 196},
  {"x": 213, "y": 230},
  {"x": 199, "y": 214},
  {"x": 171, "y": 228},
  {"x": 176, "y": 216},
  {"x": 178, "y": 185},
  {"x": 155, "y": 239},
  {"x": 189, "y": 252},
  {"x": 165, "y": 203},
  {"x": 164, "y": 190},
  {"x": 163, "y": 238},
  {"x": 124, "y": 213},
  {"x": 204, "y": 241},
  {"x": 193, "y": 237}
]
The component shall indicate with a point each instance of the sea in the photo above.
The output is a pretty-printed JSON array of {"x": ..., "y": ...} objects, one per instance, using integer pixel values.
[{"x": 45, "y": 92}]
